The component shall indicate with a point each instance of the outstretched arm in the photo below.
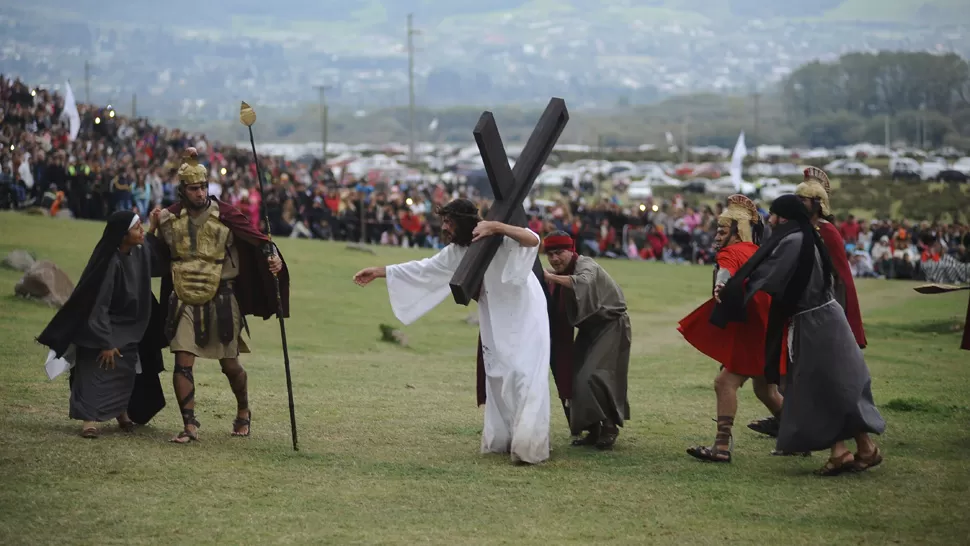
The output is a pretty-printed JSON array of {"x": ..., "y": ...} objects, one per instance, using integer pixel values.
[
  {"x": 365, "y": 276},
  {"x": 520, "y": 235},
  {"x": 415, "y": 287}
]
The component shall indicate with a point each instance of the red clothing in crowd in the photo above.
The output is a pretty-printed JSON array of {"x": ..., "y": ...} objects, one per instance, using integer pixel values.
[
  {"x": 654, "y": 249},
  {"x": 606, "y": 240},
  {"x": 850, "y": 231},
  {"x": 411, "y": 223}
]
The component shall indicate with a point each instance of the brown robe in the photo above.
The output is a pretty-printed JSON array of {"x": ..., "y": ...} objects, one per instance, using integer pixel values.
[{"x": 601, "y": 351}]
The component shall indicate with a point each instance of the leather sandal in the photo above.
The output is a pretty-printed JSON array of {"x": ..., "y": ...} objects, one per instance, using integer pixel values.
[
  {"x": 837, "y": 465},
  {"x": 862, "y": 463}
]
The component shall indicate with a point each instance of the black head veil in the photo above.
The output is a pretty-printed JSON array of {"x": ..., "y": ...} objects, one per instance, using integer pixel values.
[{"x": 60, "y": 331}]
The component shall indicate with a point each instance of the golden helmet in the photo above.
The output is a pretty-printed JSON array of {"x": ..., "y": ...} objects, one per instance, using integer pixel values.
[
  {"x": 742, "y": 210},
  {"x": 190, "y": 171}
]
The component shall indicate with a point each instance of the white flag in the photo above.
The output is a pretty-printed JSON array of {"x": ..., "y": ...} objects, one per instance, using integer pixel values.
[
  {"x": 70, "y": 111},
  {"x": 737, "y": 159},
  {"x": 433, "y": 125}
]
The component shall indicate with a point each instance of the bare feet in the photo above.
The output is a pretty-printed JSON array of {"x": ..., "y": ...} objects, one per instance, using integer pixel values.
[
  {"x": 125, "y": 423},
  {"x": 89, "y": 429}
]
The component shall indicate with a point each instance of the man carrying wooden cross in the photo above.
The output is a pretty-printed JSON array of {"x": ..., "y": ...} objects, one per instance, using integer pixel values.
[
  {"x": 496, "y": 263},
  {"x": 512, "y": 317}
]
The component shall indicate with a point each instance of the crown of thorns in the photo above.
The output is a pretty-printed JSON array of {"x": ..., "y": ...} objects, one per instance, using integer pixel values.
[{"x": 458, "y": 208}]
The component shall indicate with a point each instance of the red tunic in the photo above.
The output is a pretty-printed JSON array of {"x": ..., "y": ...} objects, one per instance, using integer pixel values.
[
  {"x": 840, "y": 262},
  {"x": 740, "y": 347}
]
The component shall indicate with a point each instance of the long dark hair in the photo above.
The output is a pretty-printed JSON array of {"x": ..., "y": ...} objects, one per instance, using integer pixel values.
[{"x": 465, "y": 216}]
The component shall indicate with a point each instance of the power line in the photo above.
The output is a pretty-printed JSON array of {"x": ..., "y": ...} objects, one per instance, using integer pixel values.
[{"x": 411, "y": 33}]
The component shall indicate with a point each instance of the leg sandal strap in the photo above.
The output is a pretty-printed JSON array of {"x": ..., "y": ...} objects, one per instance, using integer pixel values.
[
  {"x": 710, "y": 454},
  {"x": 241, "y": 422}
]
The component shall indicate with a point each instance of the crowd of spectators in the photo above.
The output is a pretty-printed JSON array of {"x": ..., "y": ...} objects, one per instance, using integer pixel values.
[{"x": 119, "y": 163}]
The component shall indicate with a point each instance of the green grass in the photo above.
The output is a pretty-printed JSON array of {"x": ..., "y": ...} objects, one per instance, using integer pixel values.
[{"x": 389, "y": 436}]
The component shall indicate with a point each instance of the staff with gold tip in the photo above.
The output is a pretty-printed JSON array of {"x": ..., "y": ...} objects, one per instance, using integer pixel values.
[{"x": 248, "y": 117}]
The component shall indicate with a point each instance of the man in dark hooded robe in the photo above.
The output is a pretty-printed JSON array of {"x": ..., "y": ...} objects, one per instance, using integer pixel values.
[
  {"x": 103, "y": 329},
  {"x": 828, "y": 390}
]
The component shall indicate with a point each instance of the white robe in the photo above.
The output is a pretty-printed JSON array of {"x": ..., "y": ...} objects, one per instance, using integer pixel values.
[{"x": 514, "y": 324}]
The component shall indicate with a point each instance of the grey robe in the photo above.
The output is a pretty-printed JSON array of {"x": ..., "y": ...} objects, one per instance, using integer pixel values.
[
  {"x": 596, "y": 307},
  {"x": 118, "y": 320},
  {"x": 828, "y": 395}
]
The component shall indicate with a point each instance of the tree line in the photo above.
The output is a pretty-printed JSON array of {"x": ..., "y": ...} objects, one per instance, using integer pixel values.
[{"x": 924, "y": 97}]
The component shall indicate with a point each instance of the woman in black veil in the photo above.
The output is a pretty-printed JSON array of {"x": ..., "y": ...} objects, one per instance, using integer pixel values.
[{"x": 110, "y": 329}]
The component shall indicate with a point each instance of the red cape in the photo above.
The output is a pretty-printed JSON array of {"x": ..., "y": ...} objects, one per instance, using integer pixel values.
[
  {"x": 255, "y": 288},
  {"x": 840, "y": 261},
  {"x": 740, "y": 347},
  {"x": 561, "y": 336}
]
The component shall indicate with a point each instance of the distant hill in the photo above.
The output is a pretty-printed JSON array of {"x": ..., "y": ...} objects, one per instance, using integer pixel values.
[
  {"x": 196, "y": 59},
  {"x": 258, "y": 16}
]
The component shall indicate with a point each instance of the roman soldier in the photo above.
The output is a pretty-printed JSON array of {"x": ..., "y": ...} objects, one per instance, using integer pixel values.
[
  {"x": 219, "y": 270},
  {"x": 740, "y": 346}
]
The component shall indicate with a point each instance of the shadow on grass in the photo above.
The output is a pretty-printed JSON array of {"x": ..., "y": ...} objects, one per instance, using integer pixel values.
[
  {"x": 950, "y": 326},
  {"x": 919, "y": 405}
]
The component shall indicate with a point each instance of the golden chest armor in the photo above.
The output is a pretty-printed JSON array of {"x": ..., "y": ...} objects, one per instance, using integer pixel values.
[{"x": 198, "y": 253}]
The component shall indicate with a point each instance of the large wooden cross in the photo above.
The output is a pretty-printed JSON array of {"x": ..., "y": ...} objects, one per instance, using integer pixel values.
[{"x": 510, "y": 186}]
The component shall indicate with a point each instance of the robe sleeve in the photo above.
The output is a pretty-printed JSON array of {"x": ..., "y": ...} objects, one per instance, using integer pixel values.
[
  {"x": 586, "y": 295},
  {"x": 99, "y": 322},
  {"x": 774, "y": 274},
  {"x": 416, "y": 287},
  {"x": 158, "y": 254},
  {"x": 518, "y": 267}
]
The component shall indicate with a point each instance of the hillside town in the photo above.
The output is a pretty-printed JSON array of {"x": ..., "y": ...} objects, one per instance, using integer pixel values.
[{"x": 598, "y": 58}]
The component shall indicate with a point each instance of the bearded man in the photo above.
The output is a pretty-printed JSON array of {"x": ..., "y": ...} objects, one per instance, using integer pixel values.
[
  {"x": 219, "y": 269},
  {"x": 586, "y": 297},
  {"x": 814, "y": 192},
  {"x": 513, "y": 320}
]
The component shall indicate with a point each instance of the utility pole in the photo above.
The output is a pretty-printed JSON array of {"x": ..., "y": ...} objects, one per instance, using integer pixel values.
[
  {"x": 683, "y": 152},
  {"x": 134, "y": 106},
  {"x": 887, "y": 132},
  {"x": 921, "y": 128},
  {"x": 411, "y": 33},
  {"x": 323, "y": 117},
  {"x": 87, "y": 82},
  {"x": 757, "y": 96}
]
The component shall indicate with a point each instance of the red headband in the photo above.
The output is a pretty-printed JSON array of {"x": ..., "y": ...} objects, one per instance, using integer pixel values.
[{"x": 559, "y": 242}]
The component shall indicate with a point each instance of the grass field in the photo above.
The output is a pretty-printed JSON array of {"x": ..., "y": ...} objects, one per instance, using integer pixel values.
[{"x": 389, "y": 436}]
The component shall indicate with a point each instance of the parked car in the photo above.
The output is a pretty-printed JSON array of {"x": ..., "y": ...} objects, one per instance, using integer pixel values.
[
  {"x": 952, "y": 175},
  {"x": 905, "y": 168}
]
